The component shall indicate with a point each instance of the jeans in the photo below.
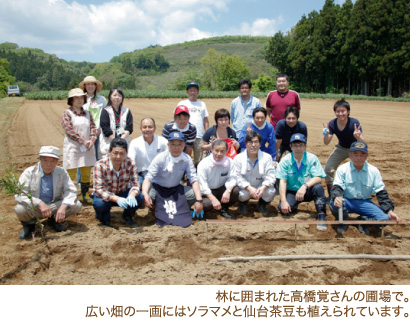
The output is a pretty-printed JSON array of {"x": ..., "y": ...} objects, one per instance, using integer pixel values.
[
  {"x": 103, "y": 209},
  {"x": 363, "y": 207}
]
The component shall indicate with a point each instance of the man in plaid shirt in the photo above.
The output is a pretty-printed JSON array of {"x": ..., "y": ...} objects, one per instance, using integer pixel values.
[{"x": 116, "y": 184}]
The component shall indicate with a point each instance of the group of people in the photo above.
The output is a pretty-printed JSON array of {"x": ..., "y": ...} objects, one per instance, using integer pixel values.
[{"x": 263, "y": 154}]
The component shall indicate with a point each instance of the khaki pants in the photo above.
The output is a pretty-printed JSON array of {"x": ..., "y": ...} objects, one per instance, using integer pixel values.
[
  {"x": 339, "y": 155},
  {"x": 24, "y": 214}
]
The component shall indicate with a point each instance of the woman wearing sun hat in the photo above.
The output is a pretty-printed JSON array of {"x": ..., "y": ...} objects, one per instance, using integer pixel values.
[
  {"x": 95, "y": 103},
  {"x": 80, "y": 135}
]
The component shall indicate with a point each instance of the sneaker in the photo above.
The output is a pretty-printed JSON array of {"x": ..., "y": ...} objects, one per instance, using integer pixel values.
[
  {"x": 363, "y": 229},
  {"x": 225, "y": 213},
  {"x": 341, "y": 228},
  {"x": 321, "y": 217}
]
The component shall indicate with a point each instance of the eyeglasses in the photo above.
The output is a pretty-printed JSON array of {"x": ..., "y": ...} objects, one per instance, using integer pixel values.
[
  {"x": 253, "y": 142},
  {"x": 298, "y": 145}
]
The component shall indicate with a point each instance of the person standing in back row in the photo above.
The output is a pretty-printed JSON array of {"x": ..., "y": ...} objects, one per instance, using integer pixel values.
[
  {"x": 279, "y": 100},
  {"x": 198, "y": 116},
  {"x": 243, "y": 106}
]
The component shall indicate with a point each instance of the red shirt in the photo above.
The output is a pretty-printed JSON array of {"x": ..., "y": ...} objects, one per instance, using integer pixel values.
[{"x": 278, "y": 103}]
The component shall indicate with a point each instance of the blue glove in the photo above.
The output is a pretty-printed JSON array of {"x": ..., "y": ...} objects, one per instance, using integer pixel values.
[
  {"x": 122, "y": 202},
  {"x": 132, "y": 201},
  {"x": 325, "y": 131},
  {"x": 197, "y": 215}
]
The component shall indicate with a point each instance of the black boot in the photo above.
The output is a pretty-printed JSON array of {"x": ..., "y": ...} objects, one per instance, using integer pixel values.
[
  {"x": 243, "y": 208},
  {"x": 321, "y": 216},
  {"x": 127, "y": 218},
  {"x": 84, "y": 191},
  {"x": 226, "y": 214},
  {"x": 28, "y": 228},
  {"x": 57, "y": 226},
  {"x": 262, "y": 208}
]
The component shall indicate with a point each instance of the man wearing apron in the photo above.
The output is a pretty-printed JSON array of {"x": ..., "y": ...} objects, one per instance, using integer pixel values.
[
  {"x": 172, "y": 200},
  {"x": 116, "y": 184}
]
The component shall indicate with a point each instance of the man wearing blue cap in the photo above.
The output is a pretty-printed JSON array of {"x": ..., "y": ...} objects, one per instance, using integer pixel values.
[
  {"x": 198, "y": 117},
  {"x": 354, "y": 184},
  {"x": 172, "y": 200},
  {"x": 300, "y": 175}
]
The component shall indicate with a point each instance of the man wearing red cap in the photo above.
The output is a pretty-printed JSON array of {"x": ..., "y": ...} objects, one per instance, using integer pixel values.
[{"x": 181, "y": 124}]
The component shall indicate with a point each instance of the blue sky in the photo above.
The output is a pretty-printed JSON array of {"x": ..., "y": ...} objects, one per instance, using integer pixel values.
[{"x": 96, "y": 31}]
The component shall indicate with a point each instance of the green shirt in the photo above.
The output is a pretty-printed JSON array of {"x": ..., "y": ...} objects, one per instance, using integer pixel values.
[{"x": 296, "y": 177}]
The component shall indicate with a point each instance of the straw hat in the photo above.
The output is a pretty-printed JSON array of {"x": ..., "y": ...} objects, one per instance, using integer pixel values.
[
  {"x": 91, "y": 79},
  {"x": 76, "y": 92}
]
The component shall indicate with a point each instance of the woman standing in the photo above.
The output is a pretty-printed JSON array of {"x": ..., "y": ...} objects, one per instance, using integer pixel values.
[
  {"x": 80, "y": 135},
  {"x": 95, "y": 103},
  {"x": 219, "y": 131},
  {"x": 115, "y": 121}
]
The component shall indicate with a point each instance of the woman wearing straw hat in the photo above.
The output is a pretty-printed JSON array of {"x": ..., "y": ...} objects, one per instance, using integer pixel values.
[
  {"x": 95, "y": 103},
  {"x": 80, "y": 135},
  {"x": 116, "y": 121}
]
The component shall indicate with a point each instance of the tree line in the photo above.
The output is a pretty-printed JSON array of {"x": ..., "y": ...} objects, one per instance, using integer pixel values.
[{"x": 361, "y": 48}]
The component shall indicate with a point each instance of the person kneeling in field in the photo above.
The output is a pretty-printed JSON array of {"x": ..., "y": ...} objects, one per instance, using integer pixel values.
[
  {"x": 300, "y": 175},
  {"x": 216, "y": 182},
  {"x": 255, "y": 175},
  {"x": 54, "y": 194},
  {"x": 116, "y": 184},
  {"x": 354, "y": 184},
  {"x": 172, "y": 200}
]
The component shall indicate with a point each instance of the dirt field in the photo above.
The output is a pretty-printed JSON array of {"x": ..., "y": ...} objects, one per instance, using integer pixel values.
[{"x": 88, "y": 254}]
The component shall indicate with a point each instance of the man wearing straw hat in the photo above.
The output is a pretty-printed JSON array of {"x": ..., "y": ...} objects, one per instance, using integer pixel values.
[
  {"x": 353, "y": 186},
  {"x": 54, "y": 195}
]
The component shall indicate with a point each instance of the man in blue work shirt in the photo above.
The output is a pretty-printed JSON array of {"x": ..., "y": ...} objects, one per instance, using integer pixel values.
[
  {"x": 172, "y": 200},
  {"x": 300, "y": 174},
  {"x": 353, "y": 187}
]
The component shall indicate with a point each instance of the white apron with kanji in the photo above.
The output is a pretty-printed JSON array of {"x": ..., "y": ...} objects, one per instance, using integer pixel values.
[{"x": 72, "y": 155}]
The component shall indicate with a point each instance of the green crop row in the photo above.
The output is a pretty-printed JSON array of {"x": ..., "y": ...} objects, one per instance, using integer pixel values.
[{"x": 166, "y": 94}]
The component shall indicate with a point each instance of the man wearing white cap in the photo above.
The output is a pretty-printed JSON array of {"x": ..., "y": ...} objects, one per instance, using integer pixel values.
[{"x": 54, "y": 195}]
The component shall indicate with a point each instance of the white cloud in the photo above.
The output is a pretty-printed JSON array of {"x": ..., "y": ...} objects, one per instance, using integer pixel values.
[
  {"x": 71, "y": 28},
  {"x": 259, "y": 27}
]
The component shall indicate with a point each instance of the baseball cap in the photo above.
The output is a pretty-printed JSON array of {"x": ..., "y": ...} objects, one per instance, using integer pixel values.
[
  {"x": 50, "y": 151},
  {"x": 192, "y": 84},
  {"x": 181, "y": 109},
  {"x": 176, "y": 135},
  {"x": 359, "y": 146},
  {"x": 298, "y": 137}
]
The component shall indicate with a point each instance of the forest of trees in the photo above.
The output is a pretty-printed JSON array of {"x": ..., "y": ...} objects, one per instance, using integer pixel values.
[
  {"x": 361, "y": 48},
  {"x": 353, "y": 48}
]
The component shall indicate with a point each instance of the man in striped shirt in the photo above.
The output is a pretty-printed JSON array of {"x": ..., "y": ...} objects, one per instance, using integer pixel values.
[
  {"x": 181, "y": 124},
  {"x": 116, "y": 184}
]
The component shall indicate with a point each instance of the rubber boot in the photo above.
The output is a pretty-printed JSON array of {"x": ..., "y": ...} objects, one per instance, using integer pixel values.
[
  {"x": 57, "y": 226},
  {"x": 262, "y": 207},
  {"x": 84, "y": 191},
  {"x": 329, "y": 187},
  {"x": 28, "y": 228},
  {"x": 243, "y": 208},
  {"x": 321, "y": 210}
]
